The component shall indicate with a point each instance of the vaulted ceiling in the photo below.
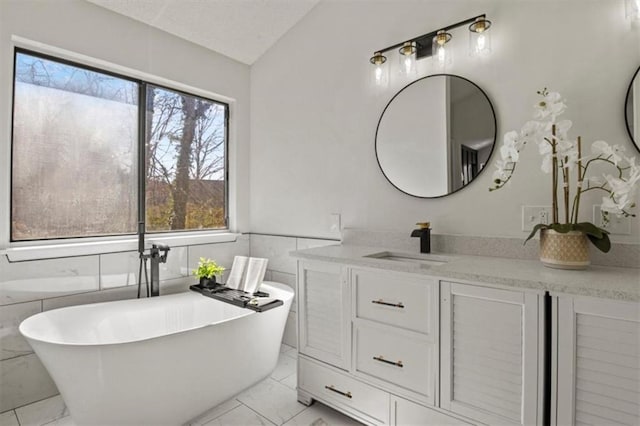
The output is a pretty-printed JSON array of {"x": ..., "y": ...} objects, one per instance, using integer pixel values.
[{"x": 240, "y": 29}]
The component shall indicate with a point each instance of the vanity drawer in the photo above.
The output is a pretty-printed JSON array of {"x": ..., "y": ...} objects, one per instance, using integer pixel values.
[
  {"x": 405, "y": 360},
  {"x": 335, "y": 388},
  {"x": 396, "y": 299}
]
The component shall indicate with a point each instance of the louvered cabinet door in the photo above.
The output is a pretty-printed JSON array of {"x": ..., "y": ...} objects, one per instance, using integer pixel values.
[
  {"x": 324, "y": 331},
  {"x": 598, "y": 362},
  {"x": 490, "y": 351}
]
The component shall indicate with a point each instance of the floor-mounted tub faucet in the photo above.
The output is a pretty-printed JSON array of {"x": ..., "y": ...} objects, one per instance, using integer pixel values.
[{"x": 424, "y": 232}]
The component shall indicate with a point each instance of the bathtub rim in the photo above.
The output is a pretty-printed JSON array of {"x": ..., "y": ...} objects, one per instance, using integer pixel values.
[{"x": 280, "y": 287}]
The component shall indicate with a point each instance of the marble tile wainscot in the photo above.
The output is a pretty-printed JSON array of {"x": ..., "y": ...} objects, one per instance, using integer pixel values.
[
  {"x": 353, "y": 308},
  {"x": 29, "y": 287}
]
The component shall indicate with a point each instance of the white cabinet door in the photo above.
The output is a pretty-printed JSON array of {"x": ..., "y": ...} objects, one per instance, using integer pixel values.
[
  {"x": 491, "y": 346},
  {"x": 598, "y": 362},
  {"x": 324, "y": 330}
]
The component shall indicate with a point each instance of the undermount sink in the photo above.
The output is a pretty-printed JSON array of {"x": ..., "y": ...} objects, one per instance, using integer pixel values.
[{"x": 422, "y": 259}]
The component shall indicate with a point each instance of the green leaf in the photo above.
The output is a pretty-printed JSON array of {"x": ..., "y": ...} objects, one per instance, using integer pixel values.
[
  {"x": 603, "y": 244},
  {"x": 590, "y": 229},
  {"x": 562, "y": 228},
  {"x": 535, "y": 229}
]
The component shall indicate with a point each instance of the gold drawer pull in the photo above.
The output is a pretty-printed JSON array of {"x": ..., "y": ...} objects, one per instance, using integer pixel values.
[
  {"x": 381, "y": 359},
  {"x": 382, "y": 302},
  {"x": 333, "y": 389}
]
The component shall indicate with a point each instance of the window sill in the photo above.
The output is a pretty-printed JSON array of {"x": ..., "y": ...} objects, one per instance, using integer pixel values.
[{"x": 87, "y": 248}]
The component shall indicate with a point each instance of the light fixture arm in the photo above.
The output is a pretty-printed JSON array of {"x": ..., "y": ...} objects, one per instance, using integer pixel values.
[{"x": 424, "y": 42}]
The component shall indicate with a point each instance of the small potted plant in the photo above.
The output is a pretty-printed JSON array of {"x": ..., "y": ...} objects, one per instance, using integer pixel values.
[{"x": 207, "y": 271}]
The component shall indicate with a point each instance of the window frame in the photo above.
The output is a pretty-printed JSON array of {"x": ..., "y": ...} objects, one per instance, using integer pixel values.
[{"x": 142, "y": 83}]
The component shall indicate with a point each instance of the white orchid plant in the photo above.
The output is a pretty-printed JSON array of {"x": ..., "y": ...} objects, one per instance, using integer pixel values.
[{"x": 562, "y": 157}]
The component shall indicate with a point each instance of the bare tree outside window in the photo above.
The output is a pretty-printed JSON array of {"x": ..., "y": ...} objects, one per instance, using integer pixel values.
[{"x": 186, "y": 141}]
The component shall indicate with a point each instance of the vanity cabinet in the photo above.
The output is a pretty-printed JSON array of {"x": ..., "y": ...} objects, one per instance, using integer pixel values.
[
  {"x": 597, "y": 362},
  {"x": 394, "y": 348},
  {"x": 491, "y": 344}
]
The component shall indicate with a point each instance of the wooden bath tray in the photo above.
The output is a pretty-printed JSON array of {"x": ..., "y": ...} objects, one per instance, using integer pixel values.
[{"x": 235, "y": 297}]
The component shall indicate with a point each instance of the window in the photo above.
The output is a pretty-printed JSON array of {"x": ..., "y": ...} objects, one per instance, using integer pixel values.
[{"x": 76, "y": 150}]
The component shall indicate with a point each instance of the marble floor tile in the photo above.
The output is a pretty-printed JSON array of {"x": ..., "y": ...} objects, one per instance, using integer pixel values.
[
  {"x": 12, "y": 344},
  {"x": 321, "y": 415},
  {"x": 64, "y": 421},
  {"x": 272, "y": 400},
  {"x": 286, "y": 366},
  {"x": 9, "y": 418},
  {"x": 42, "y": 412},
  {"x": 291, "y": 381},
  {"x": 289, "y": 351},
  {"x": 240, "y": 416},
  {"x": 214, "y": 413},
  {"x": 27, "y": 380}
]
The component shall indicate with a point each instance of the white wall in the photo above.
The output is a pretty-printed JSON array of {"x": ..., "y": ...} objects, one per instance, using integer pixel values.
[{"x": 314, "y": 114}]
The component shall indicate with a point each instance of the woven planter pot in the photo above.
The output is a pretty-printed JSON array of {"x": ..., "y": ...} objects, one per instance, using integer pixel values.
[{"x": 564, "y": 251}]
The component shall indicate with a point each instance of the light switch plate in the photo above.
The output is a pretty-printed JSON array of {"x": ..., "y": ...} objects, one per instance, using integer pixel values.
[
  {"x": 616, "y": 225},
  {"x": 334, "y": 222}
]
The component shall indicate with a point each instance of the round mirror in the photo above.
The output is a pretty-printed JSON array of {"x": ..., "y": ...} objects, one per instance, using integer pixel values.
[
  {"x": 435, "y": 136},
  {"x": 632, "y": 109}
]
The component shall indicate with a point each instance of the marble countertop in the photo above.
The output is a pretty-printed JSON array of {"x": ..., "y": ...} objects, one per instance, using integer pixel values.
[{"x": 596, "y": 281}]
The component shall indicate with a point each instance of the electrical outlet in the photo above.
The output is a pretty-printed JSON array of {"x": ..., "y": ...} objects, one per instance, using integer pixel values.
[
  {"x": 533, "y": 215},
  {"x": 616, "y": 225}
]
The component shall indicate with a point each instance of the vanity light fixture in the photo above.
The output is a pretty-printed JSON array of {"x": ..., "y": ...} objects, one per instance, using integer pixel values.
[
  {"x": 433, "y": 44},
  {"x": 479, "y": 38},
  {"x": 407, "y": 58},
  {"x": 442, "y": 55},
  {"x": 632, "y": 8},
  {"x": 380, "y": 76}
]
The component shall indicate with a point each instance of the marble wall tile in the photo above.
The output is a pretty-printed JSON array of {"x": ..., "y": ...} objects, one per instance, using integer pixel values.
[
  {"x": 121, "y": 293},
  {"x": 277, "y": 250},
  {"x": 42, "y": 279},
  {"x": 8, "y": 418},
  {"x": 24, "y": 380},
  {"x": 272, "y": 400},
  {"x": 290, "y": 336},
  {"x": 305, "y": 243},
  {"x": 222, "y": 253},
  {"x": 42, "y": 412},
  {"x": 119, "y": 269},
  {"x": 289, "y": 280},
  {"x": 12, "y": 343}
]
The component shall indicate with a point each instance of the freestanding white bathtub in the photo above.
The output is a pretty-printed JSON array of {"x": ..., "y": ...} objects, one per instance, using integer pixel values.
[{"x": 156, "y": 361}]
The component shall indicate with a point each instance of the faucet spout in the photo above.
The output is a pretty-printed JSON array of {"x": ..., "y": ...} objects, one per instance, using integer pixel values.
[
  {"x": 158, "y": 254},
  {"x": 424, "y": 233}
]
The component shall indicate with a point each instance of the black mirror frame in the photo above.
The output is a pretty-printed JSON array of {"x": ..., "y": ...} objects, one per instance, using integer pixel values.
[
  {"x": 495, "y": 137},
  {"x": 626, "y": 119}
]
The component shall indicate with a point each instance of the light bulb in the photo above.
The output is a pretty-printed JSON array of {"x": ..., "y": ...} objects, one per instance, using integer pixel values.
[
  {"x": 407, "y": 65},
  {"x": 442, "y": 54},
  {"x": 482, "y": 40},
  {"x": 378, "y": 74}
]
